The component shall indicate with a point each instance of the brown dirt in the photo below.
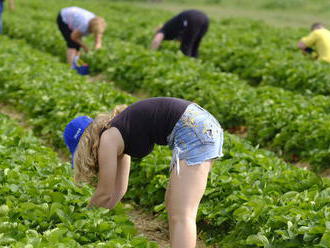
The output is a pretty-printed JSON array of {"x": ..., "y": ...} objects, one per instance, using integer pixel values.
[
  {"x": 12, "y": 113},
  {"x": 303, "y": 165},
  {"x": 153, "y": 228},
  {"x": 307, "y": 166},
  {"x": 97, "y": 78},
  {"x": 325, "y": 173},
  {"x": 241, "y": 131},
  {"x": 150, "y": 227}
]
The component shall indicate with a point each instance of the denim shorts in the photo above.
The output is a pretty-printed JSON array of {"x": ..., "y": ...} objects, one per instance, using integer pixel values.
[{"x": 195, "y": 138}]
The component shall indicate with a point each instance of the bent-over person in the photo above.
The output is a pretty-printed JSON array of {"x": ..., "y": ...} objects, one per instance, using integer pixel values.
[
  {"x": 188, "y": 27},
  {"x": 102, "y": 149},
  {"x": 318, "y": 42},
  {"x": 75, "y": 23}
]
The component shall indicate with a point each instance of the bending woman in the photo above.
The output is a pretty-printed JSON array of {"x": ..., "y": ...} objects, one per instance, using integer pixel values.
[
  {"x": 102, "y": 149},
  {"x": 74, "y": 23},
  {"x": 189, "y": 27}
]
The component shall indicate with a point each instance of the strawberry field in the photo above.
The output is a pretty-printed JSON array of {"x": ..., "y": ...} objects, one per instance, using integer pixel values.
[{"x": 254, "y": 79}]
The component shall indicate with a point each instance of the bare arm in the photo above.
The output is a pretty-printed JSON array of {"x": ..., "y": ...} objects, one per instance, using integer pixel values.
[
  {"x": 159, "y": 37},
  {"x": 305, "y": 49},
  {"x": 76, "y": 36},
  {"x": 98, "y": 41},
  {"x": 306, "y": 43},
  {"x": 301, "y": 45},
  {"x": 124, "y": 165},
  {"x": 111, "y": 146}
]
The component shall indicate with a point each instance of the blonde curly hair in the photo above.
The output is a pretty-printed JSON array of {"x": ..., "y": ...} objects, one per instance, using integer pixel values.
[{"x": 85, "y": 158}]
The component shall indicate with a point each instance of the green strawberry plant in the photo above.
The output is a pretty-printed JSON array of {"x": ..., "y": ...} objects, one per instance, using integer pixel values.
[
  {"x": 253, "y": 198},
  {"x": 40, "y": 206},
  {"x": 263, "y": 109}
]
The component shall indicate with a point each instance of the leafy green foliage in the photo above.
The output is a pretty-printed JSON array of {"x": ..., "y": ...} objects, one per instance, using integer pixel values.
[
  {"x": 273, "y": 116},
  {"x": 41, "y": 207},
  {"x": 276, "y": 118},
  {"x": 265, "y": 55},
  {"x": 252, "y": 198}
]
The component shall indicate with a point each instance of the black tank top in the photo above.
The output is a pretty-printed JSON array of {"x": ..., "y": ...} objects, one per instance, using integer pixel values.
[{"x": 148, "y": 122}]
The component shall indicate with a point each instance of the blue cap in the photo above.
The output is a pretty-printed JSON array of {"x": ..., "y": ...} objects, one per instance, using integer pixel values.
[{"x": 74, "y": 130}]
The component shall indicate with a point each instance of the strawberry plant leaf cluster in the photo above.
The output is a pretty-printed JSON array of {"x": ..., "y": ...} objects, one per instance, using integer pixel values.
[
  {"x": 294, "y": 126},
  {"x": 40, "y": 206},
  {"x": 253, "y": 198}
]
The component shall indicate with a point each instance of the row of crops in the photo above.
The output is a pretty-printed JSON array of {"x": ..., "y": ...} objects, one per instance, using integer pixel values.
[
  {"x": 41, "y": 207},
  {"x": 262, "y": 54},
  {"x": 266, "y": 56},
  {"x": 293, "y": 125},
  {"x": 253, "y": 198}
]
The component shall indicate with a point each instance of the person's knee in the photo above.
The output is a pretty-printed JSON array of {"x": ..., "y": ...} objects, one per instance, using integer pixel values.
[
  {"x": 187, "y": 214},
  {"x": 182, "y": 219}
]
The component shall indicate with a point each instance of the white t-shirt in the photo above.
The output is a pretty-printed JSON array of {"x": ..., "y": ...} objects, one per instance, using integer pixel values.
[{"x": 77, "y": 18}]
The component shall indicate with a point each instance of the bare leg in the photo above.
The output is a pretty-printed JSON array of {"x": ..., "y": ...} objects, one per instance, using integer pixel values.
[
  {"x": 70, "y": 54},
  {"x": 183, "y": 195}
]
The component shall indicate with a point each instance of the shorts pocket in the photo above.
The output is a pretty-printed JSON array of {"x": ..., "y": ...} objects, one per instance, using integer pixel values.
[{"x": 207, "y": 131}]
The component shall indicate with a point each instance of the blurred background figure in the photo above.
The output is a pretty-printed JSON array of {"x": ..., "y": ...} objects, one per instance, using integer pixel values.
[
  {"x": 188, "y": 27},
  {"x": 74, "y": 23},
  {"x": 317, "y": 42},
  {"x": 11, "y": 7}
]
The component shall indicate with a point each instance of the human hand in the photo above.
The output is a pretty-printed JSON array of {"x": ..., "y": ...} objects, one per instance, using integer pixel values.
[{"x": 98, "y": 46}]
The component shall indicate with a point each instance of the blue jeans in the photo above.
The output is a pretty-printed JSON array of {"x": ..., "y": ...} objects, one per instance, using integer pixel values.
[{"x": 196, "y": 137}]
